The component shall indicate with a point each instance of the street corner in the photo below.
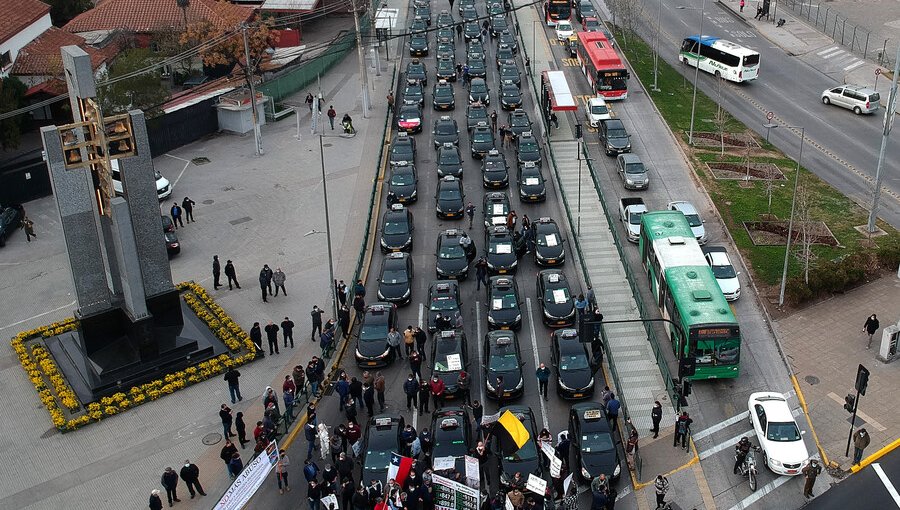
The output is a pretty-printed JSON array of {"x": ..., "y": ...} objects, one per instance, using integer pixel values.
[{"x": 659, "y": 456}]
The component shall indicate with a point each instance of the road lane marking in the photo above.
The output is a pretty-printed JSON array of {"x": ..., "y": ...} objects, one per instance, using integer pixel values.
[
  {"x": 415, "y": 412},
  {"x": 829, "y": 50},
  {"x": 728, "y": 443},
  {"x": 871, "y": 421},
  {"x": 721, "y": 425},
  {"x": 854, "y": 65},
  {"x": 761, "y": 491},
  {"x": 478, "y": 346},
  {"x": 536, "y": 361},
  {"x": 887, "y": 483},
  {"x": 833, "y": 54}
]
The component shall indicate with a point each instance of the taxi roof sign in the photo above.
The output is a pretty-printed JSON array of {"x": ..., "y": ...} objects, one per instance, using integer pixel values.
[
  {"x": 499, "y": 229},
  {"x": 568, "y": 334},
  {"x": 397, "y": 207},
  {"x": 449, "y": 423},
  {"x": 503, "y": 281},
  {"x": 451, "y": 232},
  {"x": 504, "y": 340},
  {"x": 443, "y": 287},
  {"x": 493, "y": 152},
  {"x": 553, "y": 277},
  {"x": 527, "y": 133},
  {"x": 593, "y": 414},
  {"x": 382, "y": 422},
  {"x": 397, "y": 255},
  {"x": 445, "y": 117},
  {"x": 545, "y": 219},
  {"x": 448, "y": 145},
  {"x": 448, "y": 333}
]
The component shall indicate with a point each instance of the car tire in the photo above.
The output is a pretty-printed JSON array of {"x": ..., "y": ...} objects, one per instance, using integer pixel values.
[
  {"x": 857, "y": 110},
  {"x": 825, "y": 100},
  {"x": 718, "y": 75}
]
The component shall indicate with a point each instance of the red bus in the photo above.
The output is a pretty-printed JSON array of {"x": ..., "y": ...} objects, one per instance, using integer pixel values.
[
  {"x": 557, "y": 10},
  {"x": 602, "y": 66}
]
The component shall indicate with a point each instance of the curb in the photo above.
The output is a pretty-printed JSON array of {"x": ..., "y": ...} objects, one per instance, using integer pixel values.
[
  {"x": 875, "y": 456},
  {"x": 812, "y": 429}
]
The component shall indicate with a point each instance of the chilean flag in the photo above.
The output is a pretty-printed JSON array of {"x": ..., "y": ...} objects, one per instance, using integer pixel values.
[{"x": 399, "y": 468}]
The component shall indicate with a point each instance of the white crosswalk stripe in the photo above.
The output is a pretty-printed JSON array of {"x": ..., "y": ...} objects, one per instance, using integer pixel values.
[
  {"x": 854, "y": 65},
  {"x": 728, "y": 443},
  {"x": 822, "y": 53},
  {"x": 833, "y": 54},
  {"x": 719, "y": 426}
]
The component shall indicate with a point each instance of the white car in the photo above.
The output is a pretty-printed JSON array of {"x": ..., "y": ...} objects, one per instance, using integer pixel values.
[
  {"x": 693, "y": 217},
  {"x": 163, "y": 187},
  {"x": 783, "y": 448},
  {"x": 726, "y": 276},
  {"x": 564, "y": 30},
  {"x": 597, "y": 111}
]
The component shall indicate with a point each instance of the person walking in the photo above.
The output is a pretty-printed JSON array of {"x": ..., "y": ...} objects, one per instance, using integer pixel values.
[
  {"x": 462, "y": 385},
  {"x": 287, "y": 330},
  {"x": 870, "y": 327},
  {"x": 331, "y": 115},
  {"x": 309, "y": 432},
  {"x": 543, "y": 377},
  {"x": 424, "y": 392},
  {"x": 470, "y": 212},
  {"x": 742, "y": 6},
  {"x": 227, "y": 420},
  {"x": 309, "y": 101},
  {"x": 612, "y": 412},
  {"x": 411, "y": 389},
  {"x": 278, "y": 278},
  {"x": 234, "y": 385},
  {"x": 656, "y": 417},
  {"x": 188, "y": 206},
  {"x": 682, "y": 429},
  {"x": 511, "y": 220},
  {"x": 241, "y": 428},
  {"x": 393, "y": 339},
  {"x": 421, "y": 338},
  {"x": 190, "y": 473},
  {"x": 811, "y": 471},
  {"x": 155, "y": 502},
  {"x": 379, "y": 389},
  {"x": 554, "y": 120},
  {"x": 631, "y": 446},
  {"x": 217, "y": 271},
  {"x": 861, "y": 440},
  {"x": 493, "y": 119},
  {"x": 477, "y": 413},
  {"x": 281, "y": 471},
  {"x": 169, "y": 482},
  {"x": 415, "y": 364},
  {"x": 231, "y": 274},
  {"x": 272, "y": 336},
  {"x": 662, "y": 487},
  {"x": 175, "y": 212},
  {"x": 481, "y": 272},
  {"x": 28, "y": 227}
]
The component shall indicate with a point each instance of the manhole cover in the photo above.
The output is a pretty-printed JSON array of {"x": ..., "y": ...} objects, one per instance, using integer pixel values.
[
  {"x": 208, "y": 202},
  {"x": 200, "y": 161},
  {"x": 811, "y": 379},
  {"x": 327, "y": 145},
  {"x": 238, "y": 221},
  {"x": 212, "y": 438}
]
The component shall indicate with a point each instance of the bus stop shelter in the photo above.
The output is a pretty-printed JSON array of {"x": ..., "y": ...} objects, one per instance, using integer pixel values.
[
  {"x": 385, "y": 26},
  {"x": 555, "y": 94}
]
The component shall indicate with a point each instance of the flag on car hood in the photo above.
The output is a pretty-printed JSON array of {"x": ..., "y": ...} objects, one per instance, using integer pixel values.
[
  {"x": 516, "y": 433},
  {"x": 399, "y": 468}
]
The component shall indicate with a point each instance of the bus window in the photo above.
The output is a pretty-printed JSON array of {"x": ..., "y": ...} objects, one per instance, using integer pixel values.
[
  {"x": 689, "y": 46},
  {"x": 751, "y": 60}
]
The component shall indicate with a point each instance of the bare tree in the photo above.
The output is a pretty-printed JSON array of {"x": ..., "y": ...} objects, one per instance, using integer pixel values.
[
  {"x": 770, "y": 186},
  {"x": 626, "y": 14},
  {"x": 806, "y": 227},
  {"x": 721, "y": 117}
]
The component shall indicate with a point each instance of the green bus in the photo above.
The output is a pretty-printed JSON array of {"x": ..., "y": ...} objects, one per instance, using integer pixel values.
[{"x": 687, "y": 294}]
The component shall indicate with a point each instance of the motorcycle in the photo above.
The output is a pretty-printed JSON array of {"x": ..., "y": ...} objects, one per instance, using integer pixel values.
[
  {"x": 348, "y": 127},
  {"x": 748, "y": 467}
]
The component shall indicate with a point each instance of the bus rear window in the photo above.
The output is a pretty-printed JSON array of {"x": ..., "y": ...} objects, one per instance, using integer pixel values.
[{"x": 751, "y": 60}]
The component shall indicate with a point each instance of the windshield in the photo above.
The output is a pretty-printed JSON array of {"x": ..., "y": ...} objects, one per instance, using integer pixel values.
[
  {"x": 477, "y": 113},
  {"x": 526, "y": 146},
  {"x": 443, "y": 304},
  {"x": 401, "y": 150},
  {"x": 783, "y": 432},
  {"x": 402, "y": 179},
  {"x": 693, "y": 220},
  {"x": 444, "y": 349},
  {"x": 528, "y": 451},
  {"x": 616, "y": 133},
  {"x": 377, "y": 460},
  {"x": 478, "y": 88},
  {"x": 452, "y": 251},
  {"x": 446, "y": 128},
  {"x": 395, "y": 227},
  {"x": 596, "y": 442},
  {"x": 551, "y": 239},
  {"x": 634, "y": 218},
  {"x": 504, "y": 362},
  {"x": 719, "y": 352},
  {"x": 450, "y": 194},
  {"x": 518, "y": 122},
  {"x": 510, "y": 92},
  {"x": 557, "y": 296},
  {"x": 576, "y": 362},
  {"x": 449, "y": 157},
  {"x": 500, "y": 247},
  {"x": 634, "y": 168},
  {"x": 723, "y": 272},
  {"x": 410, "y": 114},
  {"x": 415, "y": 70},
  {"x": 599, "y": 110},
  {"x": 451, "y": 446},
  {"x": 482, "y": 137},
  {"x": 377, "y": 331},
  {"x": 503, "y": 300},
  {"x": 751, "y": 60},
  {"x": 412, "y": 91},
  {"x": 394, "y": 277}
]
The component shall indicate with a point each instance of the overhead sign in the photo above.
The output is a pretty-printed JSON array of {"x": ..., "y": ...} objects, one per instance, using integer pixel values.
[
  {"x": 450, "y": 495},
  {"x": 250, "y": 479}
]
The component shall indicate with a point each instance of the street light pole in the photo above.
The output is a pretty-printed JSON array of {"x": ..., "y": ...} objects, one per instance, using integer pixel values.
[
  {"x": 655, "y": 87},
  {"x": 696, "y": 75},
  {"x": 888, "y": 123},
  {"x": 257, "y": 135},
  {"x": 362, "y": 62},
  {"x": 328, "y": 231},
  {"x": 790, "y": 234}
]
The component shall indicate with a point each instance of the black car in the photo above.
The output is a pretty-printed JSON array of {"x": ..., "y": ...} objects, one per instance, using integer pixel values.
[
  {"x": 451, "y": 434},
  {"x": 449, "y": 162},
  {"x": 474, "y": 47},
  {"x": 450, "y": 198},
  {"x": 403, "y": 148},
  {"x": 505, "y": 54},
  {"x": 503, "y": 359},
  {"x": 444, "y": 19},
  {"x": 409, "y": 118},
  {"x": 509, "y": 72},
  {"x": 495, "y": 208},
  {"x": 415, "y": 70},
  {"x": 548, "y": 243},
  {"x": 527, "y": 460},
  {"x": 402, "y": 184},
  {"x": 503, "y": 303},
  {"x": 372, "y": 349},
  {"x": 449, "y": 355},
  {"x": 557, "y": 305},
  {"x": 472, "y": 30},
  {"x": 173, "y": 247},
  {"x": 443, "y": 299},
  {"x": 508, "y": 39},
  {"x": 531, "y": 183},
  {"x": 502, "y": 250},
  {"x": 469, "y": 13},
  {"x": 528, "y": 149},
  {"x": 446, "y": 69},
  {"x": 510, "y": 96},
  {"x": 445, "y": 131},
  {"x": 499, "y": 23},
  {"x": 614, "y": 137},
  {"x": 422, "y": 11},
  {"x": 476, "y": 66},
  {"x": 418, "y": 45},
  {"x": 482, "y": 140},
  {"x": 418, "y": 26},
  {"x": 479, "y": 92},
  {"x": 496, "y": 9},
  {"x": 452, "y": 261},
  {"x": 395, "y": 280},
  {"x": 584, "y": 9},
  {"x": 413, "y": 92},
  {"x": 397, "y": 229},
  {"x": 445, "y": 48},
  {"x": 382, "y": 440},
  {"x": 442, "y": 96},
  {"x": 593, "y": 443},
  {"x": 475, "y": 114},
  {"x": 518, "y": 122},
  {"x": 10, "y": 220},
  {"x": 494, "y": 170},
  {"x": 572, "y": 361}
]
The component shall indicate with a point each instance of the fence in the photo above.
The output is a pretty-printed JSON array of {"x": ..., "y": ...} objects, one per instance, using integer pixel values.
[
  {"x": 832, "y": 24},
  {"x": 181, "y": 127}
]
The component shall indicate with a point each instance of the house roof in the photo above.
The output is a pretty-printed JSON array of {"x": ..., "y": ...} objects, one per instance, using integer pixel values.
[
  {"x": 53, "y": 87},
  {"x": 16, "y": 16},
  {"x": 42, "y": 56},
  {"x": 142, "y": 16}
]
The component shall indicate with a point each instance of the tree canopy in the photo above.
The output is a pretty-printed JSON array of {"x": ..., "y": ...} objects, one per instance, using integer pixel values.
[
  {"x": 145, "y": 91},
  {"x": 12, "y": 93}
]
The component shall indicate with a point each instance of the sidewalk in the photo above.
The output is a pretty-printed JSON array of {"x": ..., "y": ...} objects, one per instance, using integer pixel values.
[{"x": 825, "y": 344}]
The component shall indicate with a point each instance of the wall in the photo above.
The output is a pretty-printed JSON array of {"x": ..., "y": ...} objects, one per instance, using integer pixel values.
[{"x": 18, "y": 41}]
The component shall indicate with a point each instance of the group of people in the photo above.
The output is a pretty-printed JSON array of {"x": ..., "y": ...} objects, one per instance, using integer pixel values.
[
  {"x": 189, "y": 474},
  {"x": 185, "y": 211},
  {"x": 267, "y": 278}
]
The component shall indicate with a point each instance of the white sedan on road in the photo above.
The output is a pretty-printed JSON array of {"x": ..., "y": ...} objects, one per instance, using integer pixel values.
[
  {"x": 726, "y": 276},
  {"x": 779, "y": 437},
  {"x": 564, "y": 30}
]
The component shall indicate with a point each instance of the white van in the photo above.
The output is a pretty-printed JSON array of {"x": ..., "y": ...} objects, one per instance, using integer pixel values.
[
  {"x": 163, "y": 187},
  {"x": 853, "y": 97}
]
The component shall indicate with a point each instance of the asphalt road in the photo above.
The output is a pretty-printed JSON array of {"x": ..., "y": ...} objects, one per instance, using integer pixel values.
[{"x": 875, "y": 485}]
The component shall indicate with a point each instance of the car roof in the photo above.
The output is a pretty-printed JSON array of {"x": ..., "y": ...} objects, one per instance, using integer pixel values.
[
  {"x": 683, "y": 206},
  {"x": 494, "y": 336},
  {"x": 629, "y": 157},
  {"x": 775, "y": 405},
  {"x": 614, "y": 123}
]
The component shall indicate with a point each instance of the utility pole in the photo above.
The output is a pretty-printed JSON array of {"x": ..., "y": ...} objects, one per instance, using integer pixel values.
[
  {"x": 328, "y": 229},
  {"x": 790, "y": 235},
  {"x": 888, "y": 123},
  {"x": 364, "y": 85},
  {"x": 257, "y": 135},
  {"x": 655, "y": 87},
  {"x": 696, "y": 74}
]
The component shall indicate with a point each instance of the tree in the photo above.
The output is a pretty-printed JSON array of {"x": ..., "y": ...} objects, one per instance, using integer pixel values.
[
  {"x": 806, "y": 226},
  {"x": 62, "y": 11},
  {"x": 231, "y": 50},
  {"x": 145, "y": 91},
  {"x": 12, "y": 93},
  {"x": 721, "y": 117}
]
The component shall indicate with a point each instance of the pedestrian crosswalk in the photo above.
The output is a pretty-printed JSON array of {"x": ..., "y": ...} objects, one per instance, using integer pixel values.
[{"x": 841, "y": 57}]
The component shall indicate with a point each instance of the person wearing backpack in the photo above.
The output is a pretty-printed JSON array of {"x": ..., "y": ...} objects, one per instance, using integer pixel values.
[{"x": 682, "y": 429}]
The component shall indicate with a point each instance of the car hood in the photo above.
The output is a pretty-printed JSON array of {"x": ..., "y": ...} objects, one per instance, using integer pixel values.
[
  {"x": 501, "y": 259},
  {"x": 532, "y": 189},
  {"x": 526, "y": 467},
  {"x": 511, "y": 378},
  {"x": 576, "y": 379},
  {"x": 793, "y": 452},
  {"x": 402, "y": 189},
  {"x": 453, "y": 265},
  {"x": 449, "y": 379},
  {"x": 506, "y": 316},
  {"x": 617, "y": 141},
  {"x": 373, "y": 347},
  {"x": 393, "y": 290},
  {"x": 729, "y": 285},
  {"x": 560, "y": 310},
  {"x": 550, "y": 252},
  {"x": 600, "y": 462},
  {"x": 396, "y": 240},
  {"x": 450, "y": 205}
]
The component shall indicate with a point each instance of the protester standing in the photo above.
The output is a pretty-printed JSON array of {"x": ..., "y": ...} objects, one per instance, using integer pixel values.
[
  {"x": 241, "y": 428},
  {"x": 169, "y": 482},
  {"x": 231, "y": 274},
  {"x": 281, "y": 471},
  {"x": 393, "y": 339},
  {"x": 278, "y": 278},
  {"x": 331, "y": 115},
  {"x": 662, "y": 487},
  {"x": 188, "y": 205},
  {"x": 411, "y": 389},
  {"x": 272, "y": 336},
  {"x": 190, "y": 473},
  {"x": 227, "y": 420},
  {"x": 217, "y": 271},
  {"x": 287, "y": 330},
  {"x": 861, "y": 440},
  {"x": 155, "y": 502},
  {"x": 175, "y": 212},
  {"x": 656, "y": 417},
  {"x": 234, "y": 385},
  {"x": 316, "y": 316},
  {"x": 811, "y": 471},
  {"x": 543, "y": 377},
  {"x": 379, "y": 389}
]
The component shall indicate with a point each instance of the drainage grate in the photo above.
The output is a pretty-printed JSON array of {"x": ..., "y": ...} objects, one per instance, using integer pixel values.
[
  {"x": 200, "y": 161},
  {"x": 238, "y": 221}
]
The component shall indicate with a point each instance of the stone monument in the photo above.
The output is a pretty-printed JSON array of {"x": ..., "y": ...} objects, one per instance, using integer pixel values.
[{"x": 132, "y": 325}]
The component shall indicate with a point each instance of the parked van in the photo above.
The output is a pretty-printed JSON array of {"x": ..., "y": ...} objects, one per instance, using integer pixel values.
[
  {"x": 163, "y": 187},
  {"x": 853, "y": 97}
]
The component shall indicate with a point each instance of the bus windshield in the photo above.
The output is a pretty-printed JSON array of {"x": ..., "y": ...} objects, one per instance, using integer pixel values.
[
  {"x": 612, "y": 80},
  {"x": 557, "y": 9},
  {"x": 722, "y": 351},
  {"x": 751, "y": 60}
]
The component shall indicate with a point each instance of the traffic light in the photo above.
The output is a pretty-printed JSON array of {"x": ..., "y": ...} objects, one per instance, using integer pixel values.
[
  {"x": 686, "y": 387},
  {"x": 862, "y": 379},
  {"x": 578, "y": 133},
  {"x": 687, "y": 366},
  {"x": 849, "y": 400}
]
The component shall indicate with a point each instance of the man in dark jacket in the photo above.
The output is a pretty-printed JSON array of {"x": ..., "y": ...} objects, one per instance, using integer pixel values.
[
  {"x": 287, "y": 331},
  {"x": 870, "y": 327},
  {"x": 272, "y": 336},
  {"x": 175, "y": 212},
  {"x": 227, "y": 451},
  {"x": 345, "y": 467},
  {"x": 190, "y": 473},
  {"x": 344, "y": 320},
  {"x": 231, "y": 274},
  {"x": 316, "y": 315},
  {"x": 227, "y": 420},
  {"x": 256, "y": 336},
  {"x": 356, "y": 391},
  {"x": 234, "y": 385},
  {"x": 169, "y": 481},
  {"x": 265, "y": 282},
  {"x": 411, "y": 389},
  {"x": 217, "y": 270},
  {"x": 188, "y": 205}
]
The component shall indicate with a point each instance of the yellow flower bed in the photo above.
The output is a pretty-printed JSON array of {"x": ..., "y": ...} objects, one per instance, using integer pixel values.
[{"x": 63, "y": 405}]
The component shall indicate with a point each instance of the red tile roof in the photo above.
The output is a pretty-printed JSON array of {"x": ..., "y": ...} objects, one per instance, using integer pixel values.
[
  {"x": 42, "y": 56},
  {"x": 143, "y": 16},
  {"x": 16, "y": 15},
  {"x": 53, "y": 87}
]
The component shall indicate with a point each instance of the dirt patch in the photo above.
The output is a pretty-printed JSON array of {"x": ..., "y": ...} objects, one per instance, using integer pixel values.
[
  {"x": 711, "y": 139},
  {"x": 774, "y": 233},
  {"x": 735, "y": 171}
]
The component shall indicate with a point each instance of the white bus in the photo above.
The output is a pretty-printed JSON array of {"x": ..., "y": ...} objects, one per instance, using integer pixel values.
[{"x": 722, "y": 58}]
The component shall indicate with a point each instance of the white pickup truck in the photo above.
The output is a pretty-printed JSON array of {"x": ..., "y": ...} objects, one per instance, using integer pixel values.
[{"x": 630, "y": 211}]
